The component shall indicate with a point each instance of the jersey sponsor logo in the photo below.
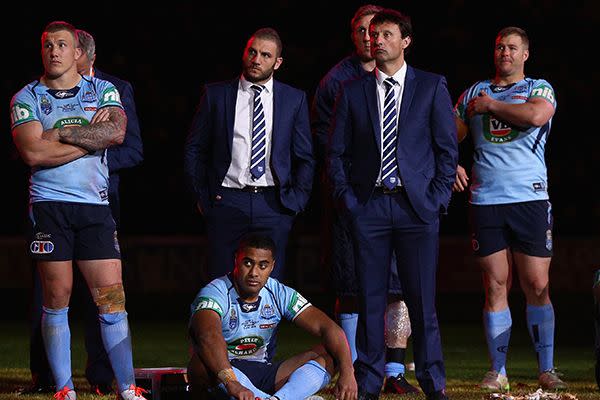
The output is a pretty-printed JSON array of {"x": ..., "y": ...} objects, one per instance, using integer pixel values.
[
  {"x": 496, "y": 131},
  {"x": 45, "y": 104},
  {"x": 111, "y": 96},
  {"x": 249, "y": 307},
  {"x": 21, "y": 112},
  {"x": 41, "y": 247},
  {"x": 245, "y": 346},
  {"x": 267, "y": 312},
  {"x": 297, "y": 303},
  {"x": 206, "y": 303},
  {"x": 71, "y": 121},
  {"x": 544, "y": 91},
  {"x": 233, "y": 319}
]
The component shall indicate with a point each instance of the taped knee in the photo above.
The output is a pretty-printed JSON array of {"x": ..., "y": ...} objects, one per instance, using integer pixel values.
[
  {"x": 109, "y": 299},
  {"x": 397, "y": 325}
]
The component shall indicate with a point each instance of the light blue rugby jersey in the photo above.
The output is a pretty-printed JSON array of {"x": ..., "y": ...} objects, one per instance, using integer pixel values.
[
  {"x": 84, "y": 180},
  {"x": 508, "y": 164},
  {"x": 249, "y": 328}
]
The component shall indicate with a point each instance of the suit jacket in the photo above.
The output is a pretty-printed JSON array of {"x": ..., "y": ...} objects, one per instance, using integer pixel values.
[
  {"x": 131, "y": 152},
  {"x": 427, "y": 150},
  {"x": 208, "y": 148}
]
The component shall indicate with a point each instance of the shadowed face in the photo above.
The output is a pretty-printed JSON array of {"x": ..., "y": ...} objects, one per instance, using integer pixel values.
[
  {"x": 260, "y": 60},
  {"x": 252, "y": 269}
]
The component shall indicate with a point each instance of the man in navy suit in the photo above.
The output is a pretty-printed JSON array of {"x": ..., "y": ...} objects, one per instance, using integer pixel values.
[
  {"x": 392, "y": 162},
  {"x": 248, "y": 157},
  {"x": 129, "y": 154}
]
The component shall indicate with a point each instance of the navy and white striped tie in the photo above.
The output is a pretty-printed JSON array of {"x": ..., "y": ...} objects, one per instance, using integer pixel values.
[
  {"x": 259, "y": 139},
  {"x": 389, "y": 165}
]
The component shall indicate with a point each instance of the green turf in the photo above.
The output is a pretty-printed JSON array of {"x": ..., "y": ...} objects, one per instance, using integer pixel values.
[{"x": 165, "y": 344}]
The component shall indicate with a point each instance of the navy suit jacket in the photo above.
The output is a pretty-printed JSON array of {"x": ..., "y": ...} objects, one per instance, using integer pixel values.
[
  {"x": 427, "y": 151},
  {"x": 131, "y": 152},
  {"x": 208, "y": 148}
]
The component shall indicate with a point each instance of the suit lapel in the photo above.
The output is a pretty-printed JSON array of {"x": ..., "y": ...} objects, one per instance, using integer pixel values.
[
  {"x": 410, "y": 84},
  {"x": 370, "y": 87},
  {"x": 230, "y": 99}
]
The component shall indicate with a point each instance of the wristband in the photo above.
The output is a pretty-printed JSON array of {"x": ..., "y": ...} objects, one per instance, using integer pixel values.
[{"x": 226, "y": 375}]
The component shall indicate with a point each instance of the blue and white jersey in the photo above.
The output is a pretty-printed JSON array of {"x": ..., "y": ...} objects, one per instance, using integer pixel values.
[
  {"x": 508, "y": 163},
  {"x": 249, "y": 328},
  {"x": 84, "y": 180}
]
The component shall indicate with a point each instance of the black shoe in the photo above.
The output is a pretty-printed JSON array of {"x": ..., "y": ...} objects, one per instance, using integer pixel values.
[
  {"x": 362, "y": 395},
  {"x": 439, "y": 395},
  {"x": 102, "y": 389},
  {"x": 36, "y": 389},
  {"x": 399, "y": 385}
]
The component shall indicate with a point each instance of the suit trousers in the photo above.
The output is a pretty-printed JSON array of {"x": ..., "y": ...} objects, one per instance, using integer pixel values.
[{"x": 386, "y": 223}]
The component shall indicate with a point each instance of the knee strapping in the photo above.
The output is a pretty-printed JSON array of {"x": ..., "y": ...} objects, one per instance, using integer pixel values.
[
  {"x": 397, "y": 325},
  {"x": 109, "y": 299}
]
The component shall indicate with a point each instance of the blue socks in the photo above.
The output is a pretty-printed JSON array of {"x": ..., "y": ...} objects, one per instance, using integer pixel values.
[
  {"x": 117, "y": 343},
  {"x": 540, "y": 322},
  {"x": 497, "y": 334},
  {"x": 305, "y": 381},
  {"x": 57, "y": 340},
  {"x": 349, "y": 322}
]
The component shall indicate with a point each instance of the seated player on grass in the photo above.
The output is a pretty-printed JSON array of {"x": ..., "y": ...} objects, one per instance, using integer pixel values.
[{"x": 233, "y": 324}]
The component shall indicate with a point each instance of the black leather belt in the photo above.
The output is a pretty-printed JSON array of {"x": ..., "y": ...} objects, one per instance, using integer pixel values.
[
  {"x": 385, "y": 190},
  {"x": 256, "y": 189}
]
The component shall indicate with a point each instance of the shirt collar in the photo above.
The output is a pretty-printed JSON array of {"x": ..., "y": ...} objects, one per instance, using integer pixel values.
[
  {"x": 247, "y": 85},
  {"x": 399, "y": 76}
]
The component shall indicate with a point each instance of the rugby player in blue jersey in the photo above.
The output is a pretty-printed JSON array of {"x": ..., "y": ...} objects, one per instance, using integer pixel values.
[
  {"x": 234, "y": 320},
  {"x": 509, "y": 118},
  {"x": 62, "y": 125}
]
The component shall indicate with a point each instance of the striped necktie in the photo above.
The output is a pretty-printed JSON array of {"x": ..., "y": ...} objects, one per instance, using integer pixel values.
[
  {"x": 259, "y": 139},
  {"x": 389, "y": 165}
]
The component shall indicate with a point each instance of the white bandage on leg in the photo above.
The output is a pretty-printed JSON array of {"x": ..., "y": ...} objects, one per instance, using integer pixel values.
[{"x": 397, "y": 325}]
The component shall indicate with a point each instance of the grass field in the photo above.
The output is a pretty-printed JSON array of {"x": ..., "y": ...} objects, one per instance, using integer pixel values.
[{"x": 162, "y": 344}]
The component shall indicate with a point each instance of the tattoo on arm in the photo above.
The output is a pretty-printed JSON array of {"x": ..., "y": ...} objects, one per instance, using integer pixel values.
[{"x": 97, "y": 136}]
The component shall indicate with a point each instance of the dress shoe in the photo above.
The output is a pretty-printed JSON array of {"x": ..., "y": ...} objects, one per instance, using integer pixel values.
[
  {"x": 363, "y": 395},
  {"x": 36, "y": 388},
  {"x": 439, "y": 395}
]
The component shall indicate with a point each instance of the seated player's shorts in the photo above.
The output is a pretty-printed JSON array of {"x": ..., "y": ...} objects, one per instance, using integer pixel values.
[
  {"x": 262, "y": 375},
  {"x": 61, "y": 231},
  {"x": 343, "y": 267},
  {"x": 524, "y": 227}
]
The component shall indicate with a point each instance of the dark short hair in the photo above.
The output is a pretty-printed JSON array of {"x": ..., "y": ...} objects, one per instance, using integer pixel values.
[
  {"x": 87, "y": 43},
  {"x": 367, "y": 9},
  {"x": 257, "y": 241},
  {"x": 270, "y": 34},
  {"x": 394, "y": 17},
  {"x": 56, "y": 26},
  {"x": 514, "y": 30}
]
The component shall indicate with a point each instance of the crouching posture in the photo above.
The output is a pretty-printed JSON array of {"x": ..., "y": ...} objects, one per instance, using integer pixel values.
[{"x": 233, "y": 326}]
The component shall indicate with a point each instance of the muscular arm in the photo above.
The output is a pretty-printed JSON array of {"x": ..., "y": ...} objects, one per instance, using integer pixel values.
[
  {"x": 212, "y": 349},
  {"x": 97, "y": 135},
  {"x": 317, "y": 323},
  {"x": 534, "y": 112},
  {"x": 38, "y": 149}
]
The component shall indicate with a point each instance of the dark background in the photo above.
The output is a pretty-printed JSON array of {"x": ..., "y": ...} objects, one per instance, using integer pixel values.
[{"x": 168, "y": 52}]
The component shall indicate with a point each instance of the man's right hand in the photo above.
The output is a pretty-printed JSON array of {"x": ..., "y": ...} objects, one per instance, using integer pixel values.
[
  {"x": 462, "y": 180},
  {"x": 238, "y": 391}
]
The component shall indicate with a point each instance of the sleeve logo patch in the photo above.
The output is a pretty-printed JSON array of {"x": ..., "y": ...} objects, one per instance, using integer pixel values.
[
  {"x": 206, "y": 303},
  {"x": 20, "y": 113}
]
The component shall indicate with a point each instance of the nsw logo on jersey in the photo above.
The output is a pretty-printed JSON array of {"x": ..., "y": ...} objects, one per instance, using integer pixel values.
[
  {"x": 206, "y": 303},
  {"x": 21, "y": 112},
  {"x": 496, "y": 131},
  {"x": 110, "y": 97},
  {"x": 245, "y": 346}
]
